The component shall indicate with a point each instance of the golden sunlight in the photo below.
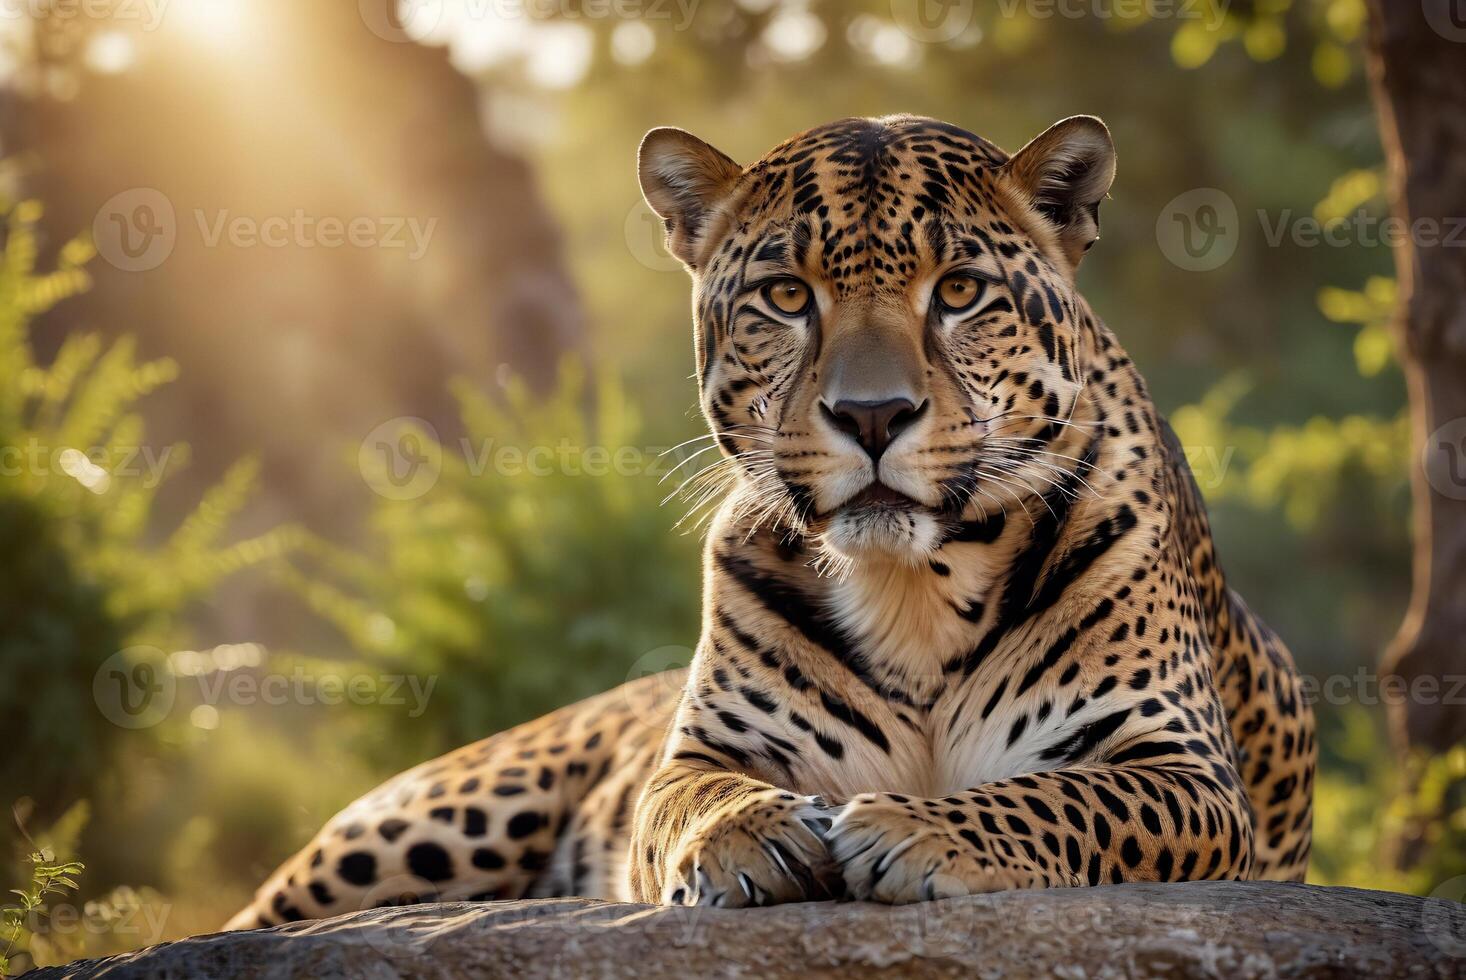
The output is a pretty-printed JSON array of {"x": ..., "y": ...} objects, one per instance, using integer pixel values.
[{"x": 222, "y": 23}]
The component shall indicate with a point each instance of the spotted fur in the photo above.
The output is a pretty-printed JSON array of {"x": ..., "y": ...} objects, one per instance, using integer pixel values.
[{"x": 980, "y": 641}]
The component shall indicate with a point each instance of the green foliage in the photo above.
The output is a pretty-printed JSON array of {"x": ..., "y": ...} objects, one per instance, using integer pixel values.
[
  {"x": 535, "y": 572},
  {"x": 1364, "y": 800},
  {"x": 49, "y": 878},
  {"x": 83, "y": 579},
  {"x": 1263, "y": 30},
  {"x": 1305, "y": 471},
  {"x": 22, "y": 921},
  {"x": 1298, "y": 477},
  {"x": 1432, "y": 810},
  {"x": 1370, "y": 308}
]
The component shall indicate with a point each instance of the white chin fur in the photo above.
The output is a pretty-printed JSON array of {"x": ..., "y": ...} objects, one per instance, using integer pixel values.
[{"x": 882, "y": 533}]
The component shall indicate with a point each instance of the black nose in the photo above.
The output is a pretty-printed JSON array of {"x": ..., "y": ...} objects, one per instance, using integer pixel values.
[{"x": 873, "y": 424}]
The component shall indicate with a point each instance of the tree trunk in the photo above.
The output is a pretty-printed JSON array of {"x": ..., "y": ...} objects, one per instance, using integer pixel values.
[{"x": 1417, "y": 67}]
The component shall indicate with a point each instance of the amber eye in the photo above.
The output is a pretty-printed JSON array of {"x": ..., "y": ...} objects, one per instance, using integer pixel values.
[
  {"x": 959, "y": 291},
  {"x": 788, "y": 296}
]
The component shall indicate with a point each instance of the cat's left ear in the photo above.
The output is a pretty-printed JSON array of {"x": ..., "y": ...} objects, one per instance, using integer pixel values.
[
  {"x": 1061, "y": 176},
  {"x": 684, "y": 180}
]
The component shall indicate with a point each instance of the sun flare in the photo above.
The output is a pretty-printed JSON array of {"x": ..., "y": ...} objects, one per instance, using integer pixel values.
[{"x": 222, "y": 23}]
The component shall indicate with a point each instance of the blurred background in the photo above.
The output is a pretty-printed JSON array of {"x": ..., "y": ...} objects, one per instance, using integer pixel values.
[{"x": 338, "y": 354}]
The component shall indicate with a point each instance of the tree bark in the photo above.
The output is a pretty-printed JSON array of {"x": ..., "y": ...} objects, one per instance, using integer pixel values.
[{"x": 1417, "y": 66}]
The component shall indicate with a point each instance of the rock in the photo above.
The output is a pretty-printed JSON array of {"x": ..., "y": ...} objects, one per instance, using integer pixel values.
[{"x": 1204, "y": 929}]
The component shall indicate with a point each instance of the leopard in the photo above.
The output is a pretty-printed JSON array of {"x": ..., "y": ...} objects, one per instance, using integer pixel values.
[{"x": 964, "y": 627}]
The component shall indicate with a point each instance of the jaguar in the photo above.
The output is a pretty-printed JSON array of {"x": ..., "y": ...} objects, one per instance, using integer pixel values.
[{"x": 964, "y": 625}]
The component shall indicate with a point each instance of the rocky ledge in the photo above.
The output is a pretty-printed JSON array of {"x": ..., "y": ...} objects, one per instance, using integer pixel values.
[{"x": 1206, "y": 929}]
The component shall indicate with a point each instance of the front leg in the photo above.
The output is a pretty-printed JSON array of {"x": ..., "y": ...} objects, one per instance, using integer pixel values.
[
  {"x": 714, "y": 837},
  {"x": 712, "y": 827},
  {"x": 1090, "y": 825}
]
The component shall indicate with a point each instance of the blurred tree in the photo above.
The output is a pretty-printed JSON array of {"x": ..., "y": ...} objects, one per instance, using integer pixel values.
[
  {"x": 298, "y": 114},
  {"x": 535, "y": 568},
  {"x": 1418, "y": 71},
  {"x": 288, "y": 117},
  {"x": 86, "y": 597}
]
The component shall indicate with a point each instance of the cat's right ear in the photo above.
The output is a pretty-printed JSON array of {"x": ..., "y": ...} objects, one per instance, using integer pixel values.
[
  {"x": 684, "y": 180},
  {"x": 1062, "y": 176}
]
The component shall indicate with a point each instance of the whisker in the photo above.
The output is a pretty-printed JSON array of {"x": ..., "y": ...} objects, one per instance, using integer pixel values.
[
  {"x": 1017, "y": 460},
  {"x": 1065, "y": 491},
  {"x": 1029, "y": 455},
  {"x": 764, "y": 431},
  {"x": 981, "y": 492},
  {"x": 704, "y": 449},
  {"x": 993, "y": 476},
  {"x": 1018, "y": 500},
  {"x": 1008, "y": 439},
  {"x": 687, "y": 442},
  {"x": 723, "y": 462}
]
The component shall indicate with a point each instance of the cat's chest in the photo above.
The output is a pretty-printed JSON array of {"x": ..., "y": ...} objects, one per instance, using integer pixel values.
[
  {"x": 907, "y": 624},
  {"x": 941, "y": 725},
  {"x": 940, "y": 750},
  {"x": 953, "y": 692}
]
